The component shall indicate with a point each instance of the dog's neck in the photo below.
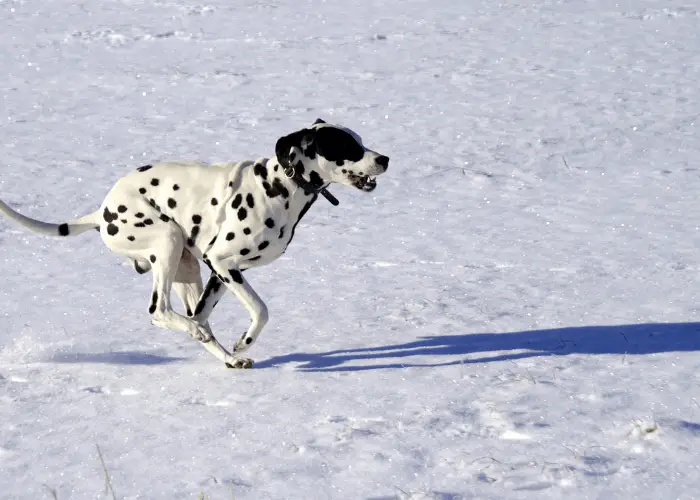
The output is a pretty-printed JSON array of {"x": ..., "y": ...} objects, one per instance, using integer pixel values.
[{"x": 305, "y": 178}]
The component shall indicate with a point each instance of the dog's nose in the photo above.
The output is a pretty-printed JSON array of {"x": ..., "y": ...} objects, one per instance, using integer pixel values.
[{"x": 383, "y": 161}]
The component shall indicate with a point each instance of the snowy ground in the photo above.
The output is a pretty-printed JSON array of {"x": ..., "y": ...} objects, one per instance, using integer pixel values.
[{"x": 511, "y": 314}]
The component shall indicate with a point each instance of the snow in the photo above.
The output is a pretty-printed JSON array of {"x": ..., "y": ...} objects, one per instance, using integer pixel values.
[{"x": 511, "y": 314}]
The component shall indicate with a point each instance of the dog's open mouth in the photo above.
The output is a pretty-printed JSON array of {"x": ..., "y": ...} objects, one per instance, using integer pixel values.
[{"x": 365, "y": 183}]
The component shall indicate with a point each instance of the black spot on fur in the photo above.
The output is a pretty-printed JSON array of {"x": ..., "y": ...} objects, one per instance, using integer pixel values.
[
  {"x": 277, "y": 189},
  {"x": 213, "y": 240},
  {"x": 260, "y": 170},
  {"x": 197, "y": 219},
  {"x": 249, "y": 340},
  {"x": 123, "y": 221},
  {"x": 138, "y": 268},
  {"x": 152, "y": 258},
  {"x": 340, "y": 163},
  {"x": 200, "y": 307},
  {"x": 121, "y": 209},
  {"x": 154, "y": 300},
  {"x": 246, "y": 230},
  {"x": 270, "y": 223},
  {"x": 214, "y": 202},
  {"x": 142, "y": 190},
  {"x": 236, "y": 275},
  {"x": 112, "y": 229},
  {"x": 144, "y": 168},
  {"x": 63, "y": 230},
  {"x": 175, "y": 187},
  {"x": 282, "y": 232},
  {"x": 154, "y": 182},
  {"x": 245, "y": 251},
  {"x": 230, "y": 236},
  {"x": 237, "y": 201},
  {"x": 263, "y": 245},
  {"x": 254, "y": 258},
  {"x": 344, "y": 171},
  {"x": 130, "y": 238},
  {"x": 172, "y": 203},
  {"x": 276, "y": 168},
  {"x": 164, "y": 218},
  {"x": 250, "y": 200},
  {"x": 189, "y": 312},
  {"x": 190, "y": 242},
  {"x": 148, "y": 222},
  {"x": 139, "y": 224},
  {"x": 109, "y": 216},
  {"x": 195, "y": 231},
  {"x": 242, "y": 213},
  {"x": 138, "y": 215},
  {"x": 286, "y": 205}
]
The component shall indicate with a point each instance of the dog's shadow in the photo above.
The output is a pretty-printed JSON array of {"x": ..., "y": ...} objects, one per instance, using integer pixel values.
[
  {"x": 446, "y": 350},
  {"x": 114, "y": 358}
]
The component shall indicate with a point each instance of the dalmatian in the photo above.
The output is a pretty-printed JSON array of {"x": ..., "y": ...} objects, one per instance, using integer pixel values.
[{"x": 167, "y": 217}]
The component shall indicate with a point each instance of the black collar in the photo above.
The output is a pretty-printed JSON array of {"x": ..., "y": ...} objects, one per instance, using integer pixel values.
[{"x": 309, "y": 188}]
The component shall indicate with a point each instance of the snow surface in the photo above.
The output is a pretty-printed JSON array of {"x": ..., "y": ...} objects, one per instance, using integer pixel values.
[{"x": 511, "y": 314}]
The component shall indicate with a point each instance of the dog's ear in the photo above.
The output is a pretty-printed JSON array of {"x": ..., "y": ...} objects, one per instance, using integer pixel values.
[
  {"x": 303, "y": 140},
  {"x": 318, "y": 120}
]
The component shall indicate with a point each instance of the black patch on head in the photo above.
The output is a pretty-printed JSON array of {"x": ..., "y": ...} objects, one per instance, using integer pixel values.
[
  {"x": 263, "y": 245},
  {"x": 144, "y": 168},
  {"x": 250, "y": 200},
  {"x": 148, "y": 222},
  {"x": 214, "y": 202},
  {"x": 335, "y": 144},
  {"x": 130, "y": 238},
  {"x": 230, "y": 236},
  {"x": 154, "y": 182},
  {"x": 242, "y": 213},
  {"x": 112, "y": 229},
  {"x": 109, "y": 216},
  {"x": 138, "y": 215},
  {"x": 164, "y": 218},
  {"x": 303, "y": 139},
  {"x": 246, "y": 230},
  {"x": 63, "y": 230},
  {"x": 245, "y": 251},
  {"x": 172, "y": 203},
  {"x": 152, "y": 258},
  {"x": 139, "y": 224},
  {"x": 175, "y": 187},
  {"x": 236, "y": 275},
  {"x": 121, "y": 209},
  {"x": 340, "y": 163},
  {"x": 270, "y": 223},
  {"x": 237, "y": 201},
  {"x": 197, "y": 219},
  {"x": 142, "y": 190},
  {"x": 315, "y": 179},
  {"x": 260, "y": 170}
]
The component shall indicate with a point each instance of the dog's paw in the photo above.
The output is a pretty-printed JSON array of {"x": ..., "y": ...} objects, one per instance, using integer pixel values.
[{"x": 241, "y": 363}]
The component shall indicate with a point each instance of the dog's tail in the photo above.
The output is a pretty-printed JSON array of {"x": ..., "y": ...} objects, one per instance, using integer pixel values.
[{"x": 69, "y": 228}]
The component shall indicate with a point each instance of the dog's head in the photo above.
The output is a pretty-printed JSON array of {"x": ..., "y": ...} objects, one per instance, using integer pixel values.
[{"x": 325, "y": 153}]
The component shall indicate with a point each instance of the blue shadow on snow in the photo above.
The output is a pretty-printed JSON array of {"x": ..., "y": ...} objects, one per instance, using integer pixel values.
[
  {"x": 114, "y": 358},
  {"x": 637, "y": 339}
]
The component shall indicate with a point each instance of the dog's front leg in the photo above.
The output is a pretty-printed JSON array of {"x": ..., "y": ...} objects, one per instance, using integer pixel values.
[{"x": 229, "y": 274}]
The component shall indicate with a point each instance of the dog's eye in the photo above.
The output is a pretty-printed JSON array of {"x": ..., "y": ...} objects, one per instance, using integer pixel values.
[{"x": 334, "y": 144}]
